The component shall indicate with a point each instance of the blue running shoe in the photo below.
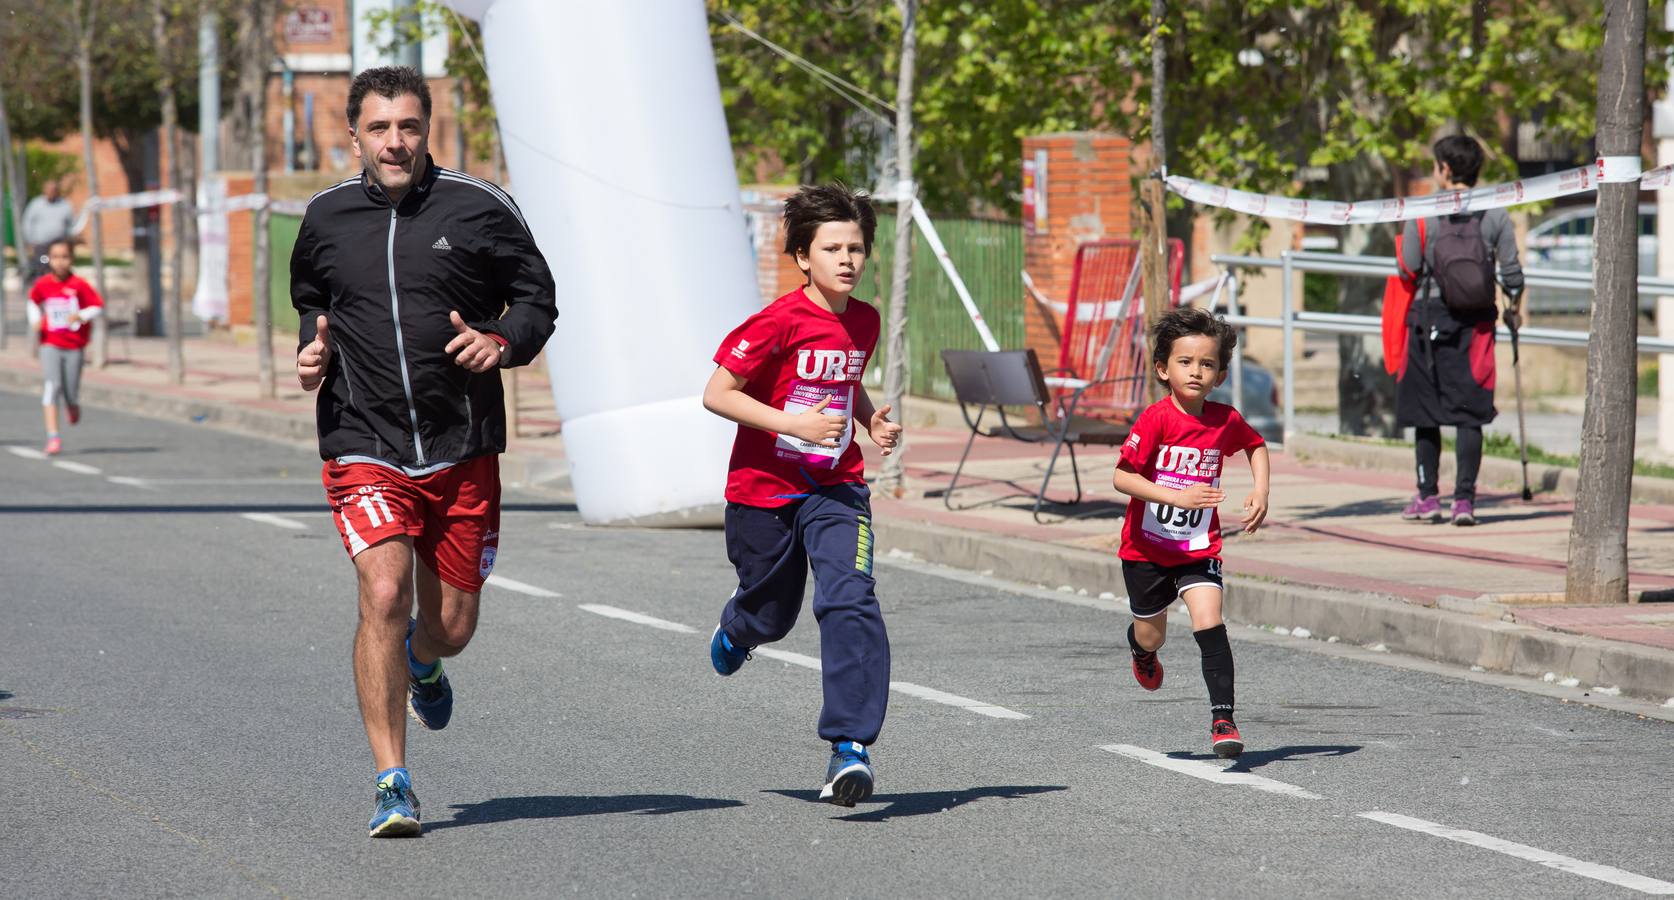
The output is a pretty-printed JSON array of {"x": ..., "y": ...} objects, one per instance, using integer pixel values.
[
  {"x": 848, "y": 778},
  {"x": 429, "y": 699},
  {"x": 726, "y": 658},
  {"x": 397, "y": 812}
]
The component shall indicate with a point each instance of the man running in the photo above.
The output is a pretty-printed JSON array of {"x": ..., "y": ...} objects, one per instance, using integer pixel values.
[{"x": 414, "y": 284}]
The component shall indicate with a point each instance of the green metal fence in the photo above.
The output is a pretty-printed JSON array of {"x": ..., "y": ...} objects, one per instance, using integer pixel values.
[{"x": 988, "y": 255}]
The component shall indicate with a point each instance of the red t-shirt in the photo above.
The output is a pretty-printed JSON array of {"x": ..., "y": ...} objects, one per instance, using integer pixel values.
[
  {"x": 59, "y": 300},
  {"x": 793, "y": 354},
  {"x": 1176, "y": 450}
]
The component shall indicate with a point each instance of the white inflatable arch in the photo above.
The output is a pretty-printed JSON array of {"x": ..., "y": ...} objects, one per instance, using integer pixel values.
[{"x": 617, "y": 146}]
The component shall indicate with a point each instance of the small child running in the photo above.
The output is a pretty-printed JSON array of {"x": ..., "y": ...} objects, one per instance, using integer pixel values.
[
  {"x": 60, "y": 303},
  {"x": 1171, "y": 467},
  {"x": 796, "y": 485}
]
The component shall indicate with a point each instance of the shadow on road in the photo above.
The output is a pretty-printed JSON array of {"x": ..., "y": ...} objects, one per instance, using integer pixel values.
[
  {"x": 509, "y": 809},
  {"x": 1255, "y": 759},
  {"x": 896, "y": 806}
]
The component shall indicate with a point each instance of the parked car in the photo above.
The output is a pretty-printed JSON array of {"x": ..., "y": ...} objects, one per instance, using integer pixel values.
[
  {"x": 1261, "y": 400},
  {"x": 1564, "y": 240}
]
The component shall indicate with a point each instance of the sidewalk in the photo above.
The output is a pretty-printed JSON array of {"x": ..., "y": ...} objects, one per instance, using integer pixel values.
[{"x": 1334, "y": 562}]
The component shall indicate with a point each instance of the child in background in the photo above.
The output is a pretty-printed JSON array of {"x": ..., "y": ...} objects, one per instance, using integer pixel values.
[
  {"x": 61, "y": 309},
  {"x": 1171, "y": 543}
]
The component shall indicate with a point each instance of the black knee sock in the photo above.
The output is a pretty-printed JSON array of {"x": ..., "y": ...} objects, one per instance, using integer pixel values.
[
  {"x": 1134, "y": 643},
  {"x": 1217, "y": 669}
]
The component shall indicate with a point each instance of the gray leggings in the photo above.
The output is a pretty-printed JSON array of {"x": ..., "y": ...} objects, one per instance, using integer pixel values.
[{"x": 62, "y": 369}]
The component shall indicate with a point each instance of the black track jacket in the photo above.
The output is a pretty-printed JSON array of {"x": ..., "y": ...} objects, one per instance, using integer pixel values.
[{"x": 385, "y": 279}]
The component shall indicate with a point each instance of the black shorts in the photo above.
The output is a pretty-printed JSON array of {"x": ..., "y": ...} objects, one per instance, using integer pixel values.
[{"x": 1151, "y": 588}]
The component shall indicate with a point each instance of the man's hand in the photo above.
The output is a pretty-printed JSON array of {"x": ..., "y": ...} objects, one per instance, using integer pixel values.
[
  {"x": 312, "y": 361},
  {"x": 1513, "y": 320},
  {"x": 815, "y": 427},
  {"x": 885, "y": 434},
  {"x": 1199, "y": 496},
  {"x": 1255, "y": 512},
  {"x": 474, "y": 350}
]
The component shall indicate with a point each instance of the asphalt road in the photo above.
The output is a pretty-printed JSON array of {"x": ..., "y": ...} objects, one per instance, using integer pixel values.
[{"x": 177, "y": 719}]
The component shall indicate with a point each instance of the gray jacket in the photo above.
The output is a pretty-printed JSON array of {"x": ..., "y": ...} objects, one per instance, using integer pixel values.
[
  {"x": 47, "y": 220},
  {"x": 1497, "y": 233}
]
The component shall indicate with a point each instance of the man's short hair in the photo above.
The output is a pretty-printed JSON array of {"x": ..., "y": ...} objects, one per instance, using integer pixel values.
[
  {"x": 69, "y": 245},
  {"x": 1462, "y": 155},
  {"x": 811, "y": 207},
  {"x": 1187, "y": 321},
  {"x": 388, "y": 82}
]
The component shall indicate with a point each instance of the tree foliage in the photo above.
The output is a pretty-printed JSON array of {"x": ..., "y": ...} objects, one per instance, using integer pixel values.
[{"x": 428, "y": 18}]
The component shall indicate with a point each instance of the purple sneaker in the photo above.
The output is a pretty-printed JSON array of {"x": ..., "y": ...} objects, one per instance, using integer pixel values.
[
  {"x": 1464, "y": 512},
  {"x": 1425, "y": 509}
]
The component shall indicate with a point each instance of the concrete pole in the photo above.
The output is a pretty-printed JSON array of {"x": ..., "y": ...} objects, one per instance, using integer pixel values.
[
  {"x": 1663, "y": 127},
  {"x": 895, "y": 373}
]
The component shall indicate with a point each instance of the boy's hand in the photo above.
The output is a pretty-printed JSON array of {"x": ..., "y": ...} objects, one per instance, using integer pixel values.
[
  {"x": 1199, "y": 496},
  {"x": 815, "y": 427},
  {"x": 477, "y": 352},
  {"x": 312, "y": 361},
  {"x": 885, "y": 434},
  {"x": 1255, "y": 512}
]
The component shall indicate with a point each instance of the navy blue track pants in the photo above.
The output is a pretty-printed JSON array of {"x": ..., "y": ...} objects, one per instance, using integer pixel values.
[{"x": 772, "y": 549}]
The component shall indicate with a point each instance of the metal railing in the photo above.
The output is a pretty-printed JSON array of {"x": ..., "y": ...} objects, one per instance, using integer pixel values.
[{"x": 1296, "y": 262}]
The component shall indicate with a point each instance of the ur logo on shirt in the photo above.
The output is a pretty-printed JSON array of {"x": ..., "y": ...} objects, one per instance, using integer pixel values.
[
  {"x": 1188, "y": 461},
  {"x": 821, "y": 365}
]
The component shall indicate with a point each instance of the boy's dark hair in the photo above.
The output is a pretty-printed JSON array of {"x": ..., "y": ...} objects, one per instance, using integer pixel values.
[
  {"x": 388, "y": 82},
  {"x": 1462, "y": 155},
  {"x": 1187, "y": 321},
  {"x": 69, "y": 244},
  {"x": 813, "y": 206}
]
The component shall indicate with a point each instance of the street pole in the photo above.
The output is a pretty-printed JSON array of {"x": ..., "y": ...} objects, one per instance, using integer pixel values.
[
  {"x": 177, "y": 213},
  {"x": 1597, "y": 571},
  {"x": 1662, "y": 118},
  {"x": 86, "y": 19},
  {"x": 8, "y": 187},
  {"x": 258, "y": 32},
  {"x": 1153, "y": 248},
  {"x": 895, "y": 373}
]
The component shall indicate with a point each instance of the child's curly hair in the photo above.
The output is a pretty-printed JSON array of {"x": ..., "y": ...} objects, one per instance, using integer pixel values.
[{"x": 1187, "y": 321}]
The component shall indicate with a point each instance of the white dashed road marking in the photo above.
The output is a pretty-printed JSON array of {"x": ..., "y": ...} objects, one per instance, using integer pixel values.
[
  {"x": 1595, "y": 871},
  {"x": 1210, "y": 772},
  {"x": 78, "y": 468},
  {"x": 270, "y": 519},
  {"x": 637, "y": 618},
  {"x": 27, "y": 452},
  {"x": 501, "y": 581},
  {"x": 946, "y": 699}
]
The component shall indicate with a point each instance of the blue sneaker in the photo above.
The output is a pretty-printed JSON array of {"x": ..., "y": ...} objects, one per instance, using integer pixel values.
[
  {"x": 429, "y": 699},
  {"x": 848, "y": 778},
  {"x": 397, "y": 812},
  {"x": 726, "y": 658}
]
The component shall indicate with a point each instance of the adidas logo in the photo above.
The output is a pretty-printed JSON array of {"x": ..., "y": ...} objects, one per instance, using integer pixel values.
[{"x": 441, "y": 244}]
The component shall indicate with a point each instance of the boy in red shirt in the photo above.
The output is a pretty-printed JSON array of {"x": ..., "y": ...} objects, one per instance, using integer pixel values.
[
  {"x": 60, "y": 304},
  {"x": 796, "y": 485},
  {"x": 1171, "y": 543}
]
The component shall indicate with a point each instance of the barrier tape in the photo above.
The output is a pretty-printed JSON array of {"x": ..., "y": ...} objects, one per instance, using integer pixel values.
[
  {"x": 167, "y": 196},
  {"x": 1606, "y": 170}
]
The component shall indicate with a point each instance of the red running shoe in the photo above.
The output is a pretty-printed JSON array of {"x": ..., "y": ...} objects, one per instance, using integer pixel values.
[
  {"x": 1147, "y": 670},
  {"x": 74, "y": 411},
  {"x": 1228, "y": 743}
]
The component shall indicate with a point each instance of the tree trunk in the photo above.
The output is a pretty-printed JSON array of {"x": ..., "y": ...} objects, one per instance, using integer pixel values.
[
  {"x": 171, "y": 123},
  {"x": 1365, "y": 391},
  {"x": 256, "y": 31},
  {"x": 895, "y": 374},
  {"x": 84, "y": 63},
  {"x": 10, "y": 186},
  {"x": 1153, "y": 250},
  {"x": 1597, "y": 570}
]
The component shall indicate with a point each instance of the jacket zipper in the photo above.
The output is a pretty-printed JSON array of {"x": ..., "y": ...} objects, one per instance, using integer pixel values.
[{"x": 400, "y": 345}]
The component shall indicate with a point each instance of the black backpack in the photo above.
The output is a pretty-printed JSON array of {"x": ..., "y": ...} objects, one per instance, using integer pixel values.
[{"x": 1463, "y": 270}]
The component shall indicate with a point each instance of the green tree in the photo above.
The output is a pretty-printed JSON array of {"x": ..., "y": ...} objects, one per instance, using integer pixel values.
[
  {"x": 989, "y": 73},
  {"x": 428, "y": 18}
]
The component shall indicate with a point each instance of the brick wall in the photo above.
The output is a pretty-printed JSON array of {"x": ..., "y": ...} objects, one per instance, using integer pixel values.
[{"x": 1088, "y": 197}]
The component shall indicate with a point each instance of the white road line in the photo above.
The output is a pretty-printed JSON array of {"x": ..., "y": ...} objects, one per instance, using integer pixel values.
[
  {"x": 27, "y": 452},
  {"x": 795, "y": 659},
  {"x": 1210, "y": 772},
  {"x": 127, "y": 481},
  {"x": 1595, "y": 871},
  {"x": 270, "y": 519},
  {"x": 78, "y": 468},
  {"x": 501, "y": 581},
  {"x": 935, "y": 696},
  {"x": 637, "y": 618}
]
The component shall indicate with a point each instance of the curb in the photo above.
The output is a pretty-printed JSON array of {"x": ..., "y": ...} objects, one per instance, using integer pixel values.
[
  {"x": 517, "y": 469},
  {"x": 1543, "y": 477},
  {"x": 1455, "y": 638}
]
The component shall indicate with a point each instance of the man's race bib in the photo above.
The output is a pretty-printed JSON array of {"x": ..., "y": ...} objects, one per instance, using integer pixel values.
[
  {"x": 803, "y": 396},
  {"x": 1178, "y": 529},
  {"x": 60, "y": 313}
]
